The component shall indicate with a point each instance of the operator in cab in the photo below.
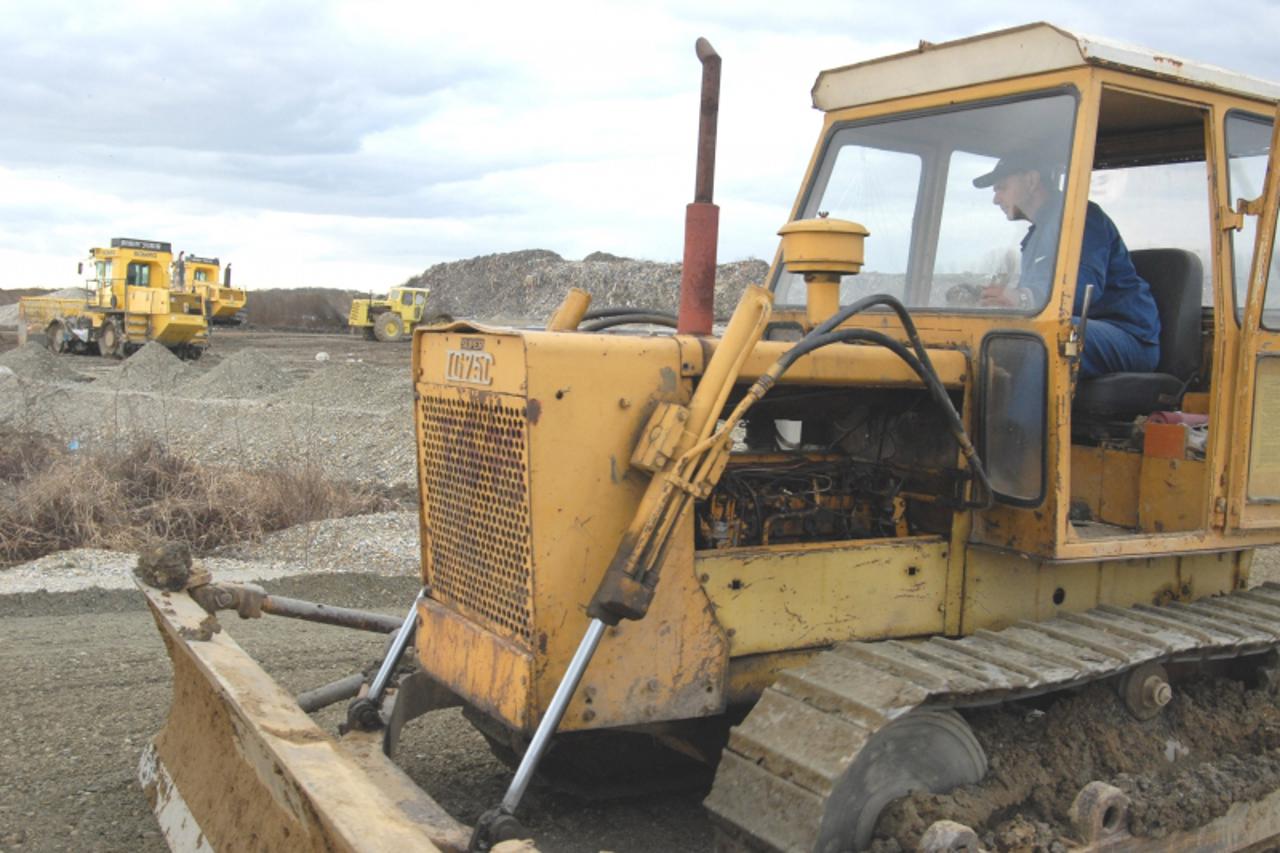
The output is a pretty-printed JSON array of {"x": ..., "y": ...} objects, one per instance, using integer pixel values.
[{"x": 1123, "y": 334}]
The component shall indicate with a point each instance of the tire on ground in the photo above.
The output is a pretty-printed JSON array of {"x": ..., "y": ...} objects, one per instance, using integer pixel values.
[
  {"x": 388, "y": 327},
  {"x": 53, "y": 335}
]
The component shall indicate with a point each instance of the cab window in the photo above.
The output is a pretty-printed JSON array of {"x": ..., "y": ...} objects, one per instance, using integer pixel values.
[
  {"x": 138, "y": 274},
  {"x": 936, "y": 238},
  {"x": 1248, "y": 146}
]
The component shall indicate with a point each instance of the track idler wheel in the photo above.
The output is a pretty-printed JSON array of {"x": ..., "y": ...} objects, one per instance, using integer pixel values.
[
  {"x": 926, "y": 750},
  {"x": 1145, "y": 690}
]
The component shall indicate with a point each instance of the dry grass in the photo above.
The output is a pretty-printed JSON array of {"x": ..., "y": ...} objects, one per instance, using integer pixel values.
[{"x": 52, "y": 499}]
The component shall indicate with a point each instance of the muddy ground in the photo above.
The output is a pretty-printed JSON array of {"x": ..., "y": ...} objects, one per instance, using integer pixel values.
[{"x": 88, "y": 681}]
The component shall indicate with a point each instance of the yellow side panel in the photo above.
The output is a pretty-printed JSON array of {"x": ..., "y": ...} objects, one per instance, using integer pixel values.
[
  {"x": 1264, "y": 453},
  {"x": 1172, "y": 495},
  {"x": 1003, "y": 588},
  {"x": 493, "y": 674},
  {"x": 1086, "y": 477},
  {"x": 785, "y": 597},
  {"x": 589, "y": 398},
  {"x": 1119, "y": 490}
]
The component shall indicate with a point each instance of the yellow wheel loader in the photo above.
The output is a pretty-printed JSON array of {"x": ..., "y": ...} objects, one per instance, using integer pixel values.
[
  {"x": 390, "y": 318},
  {"x": 811, "y": 551},
  {"x": 127, "y": 302}
]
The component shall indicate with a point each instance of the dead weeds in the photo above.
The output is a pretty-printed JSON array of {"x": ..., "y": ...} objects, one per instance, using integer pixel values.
[{"x": 53, "y": 499}]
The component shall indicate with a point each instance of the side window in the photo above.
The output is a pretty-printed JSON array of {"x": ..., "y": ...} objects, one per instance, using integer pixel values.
[
  {"x": 419, "y": 299},
  {"x": 1248, "y": 144},
  {"x": 1163, "y": 206},
  {"x": 201, "y": 275},
  {"x": 406, "y": 298},
  {"x": 138, "y": 274}
]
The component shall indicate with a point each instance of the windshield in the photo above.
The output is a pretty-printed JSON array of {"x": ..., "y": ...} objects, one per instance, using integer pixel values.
[{"x": 937, "y": 238}]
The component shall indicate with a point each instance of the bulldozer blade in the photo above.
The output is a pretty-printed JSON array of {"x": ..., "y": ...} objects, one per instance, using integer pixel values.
[{"x": 239, "y": 765}]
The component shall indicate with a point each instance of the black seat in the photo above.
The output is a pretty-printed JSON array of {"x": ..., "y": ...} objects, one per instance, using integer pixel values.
[{"x": 1177, "y": 281}]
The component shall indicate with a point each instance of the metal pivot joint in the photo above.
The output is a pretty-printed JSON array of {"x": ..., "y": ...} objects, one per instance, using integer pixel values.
[{"x": 365, "y": 712}]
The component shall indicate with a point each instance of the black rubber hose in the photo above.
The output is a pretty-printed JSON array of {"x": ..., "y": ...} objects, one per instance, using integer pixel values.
[
  {"x": 930, "y": 379},
  {"x": 600, "y": 313},
  {"x": 822, "y": 335},
  {"x": 628, "y": 320}
]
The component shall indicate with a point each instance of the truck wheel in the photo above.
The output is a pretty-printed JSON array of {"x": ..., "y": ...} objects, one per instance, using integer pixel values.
[
  {"x": 388, "y": 327},
  {"x": 55, "y": 337},
  {"x": 111, "y": 341}
]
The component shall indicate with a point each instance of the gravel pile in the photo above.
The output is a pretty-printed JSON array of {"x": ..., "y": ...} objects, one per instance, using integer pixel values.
[
  {"x": 353, "y": 384},
  {"x": 382, "y": 544},
  {"x": 527, "y": 286},
  {"x": 248, "y": 373},
  {"x": 33, "y": 361},
  {"x": 152, "y": 368}
]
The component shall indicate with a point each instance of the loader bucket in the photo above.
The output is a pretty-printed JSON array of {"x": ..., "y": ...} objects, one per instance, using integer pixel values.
[{"x": 240, "y": 766}]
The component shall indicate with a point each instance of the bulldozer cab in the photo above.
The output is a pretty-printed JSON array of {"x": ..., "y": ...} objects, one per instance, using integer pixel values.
[{"x": 1122, "y": 464}]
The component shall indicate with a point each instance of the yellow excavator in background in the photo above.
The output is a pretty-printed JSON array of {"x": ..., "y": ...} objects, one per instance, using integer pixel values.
[
  {"x": 127, "y": 302},
  {"x": 201, "y": 275},
  {"x": 808, "y": 550}
]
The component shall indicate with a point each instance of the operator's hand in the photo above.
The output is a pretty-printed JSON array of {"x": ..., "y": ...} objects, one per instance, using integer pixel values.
[{"x": 998, "y": 294}]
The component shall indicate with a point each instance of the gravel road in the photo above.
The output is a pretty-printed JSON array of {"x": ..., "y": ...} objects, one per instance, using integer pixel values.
[{"x": 91, "y": 684}]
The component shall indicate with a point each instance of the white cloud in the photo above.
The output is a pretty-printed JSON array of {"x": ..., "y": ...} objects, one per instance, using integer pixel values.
[{"x": 353, "y": 144}]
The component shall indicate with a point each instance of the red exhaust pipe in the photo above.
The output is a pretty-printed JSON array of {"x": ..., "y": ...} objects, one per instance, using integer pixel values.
[{"x": 702, "y": 218}]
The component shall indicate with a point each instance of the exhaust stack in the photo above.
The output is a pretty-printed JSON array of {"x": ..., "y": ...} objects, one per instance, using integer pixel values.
[{"x": 702, "y": 217}]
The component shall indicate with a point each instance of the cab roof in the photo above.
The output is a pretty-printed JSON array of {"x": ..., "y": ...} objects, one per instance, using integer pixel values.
[{"x": 1029, "y": 49}]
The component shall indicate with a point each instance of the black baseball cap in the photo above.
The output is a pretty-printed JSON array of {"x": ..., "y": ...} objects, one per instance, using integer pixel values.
[{"x": 1011, "y": 164}]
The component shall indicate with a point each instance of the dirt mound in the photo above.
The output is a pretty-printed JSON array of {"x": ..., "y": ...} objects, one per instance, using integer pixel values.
[
  {"x": 152, "y": 368},
  {"x": 352, "y": 385},
  {"x": 34, "y": 361},
  {"x": 306, "y": 308},
  {"x": 1215, "y": 744},
  {"x": 248, "y": 373},
  {"x": 527, "y": 286}
]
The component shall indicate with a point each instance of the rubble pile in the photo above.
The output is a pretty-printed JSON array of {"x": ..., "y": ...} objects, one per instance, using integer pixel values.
[
  {"x": 34, "y": 361},
  {"x": 527, "y": 286},
  {"x": 152, "y": 368},
  {"x": 248, "y": 373}
]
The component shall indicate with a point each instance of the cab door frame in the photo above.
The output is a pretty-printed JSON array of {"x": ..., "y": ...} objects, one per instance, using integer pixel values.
[{"x": 1253, "y": 482}]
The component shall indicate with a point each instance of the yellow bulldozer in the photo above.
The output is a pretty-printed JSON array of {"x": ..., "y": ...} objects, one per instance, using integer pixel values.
[
  {"x": 200, "y": 275},
  {"x": 390, "y": 318},
  {"x": 127, "y": 302},
  {"x": 809, "y": 550}
]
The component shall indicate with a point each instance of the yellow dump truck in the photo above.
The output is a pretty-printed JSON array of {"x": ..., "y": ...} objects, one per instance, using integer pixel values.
[
  {"x": 390, "y": 318},
  {"x": 812, "y": 550},
  {"x": 127, "y": 302},
  {"x": 204, "y": 276}
]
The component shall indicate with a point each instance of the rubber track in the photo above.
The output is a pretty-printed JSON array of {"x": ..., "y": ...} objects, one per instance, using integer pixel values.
[{"x": 776, "y": 775}]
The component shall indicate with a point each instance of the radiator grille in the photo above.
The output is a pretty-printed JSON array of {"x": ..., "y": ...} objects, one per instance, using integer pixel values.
[{"x": 475, "y": 483}]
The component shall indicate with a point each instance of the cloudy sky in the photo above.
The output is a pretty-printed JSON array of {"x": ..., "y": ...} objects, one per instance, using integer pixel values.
[{"x": 354, "y": 144}]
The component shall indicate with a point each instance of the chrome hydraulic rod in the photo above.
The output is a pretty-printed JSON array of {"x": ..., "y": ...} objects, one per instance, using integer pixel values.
[
  {"x": 555, "y": 712},
  {"x": 379, "y": 685}
]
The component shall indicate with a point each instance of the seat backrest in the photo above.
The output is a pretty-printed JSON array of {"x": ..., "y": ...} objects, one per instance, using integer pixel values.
[{"x": 1177, "y": 283}]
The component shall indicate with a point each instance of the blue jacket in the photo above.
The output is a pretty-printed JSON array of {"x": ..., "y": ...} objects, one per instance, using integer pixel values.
[{"x": 1120, "y": 295}]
